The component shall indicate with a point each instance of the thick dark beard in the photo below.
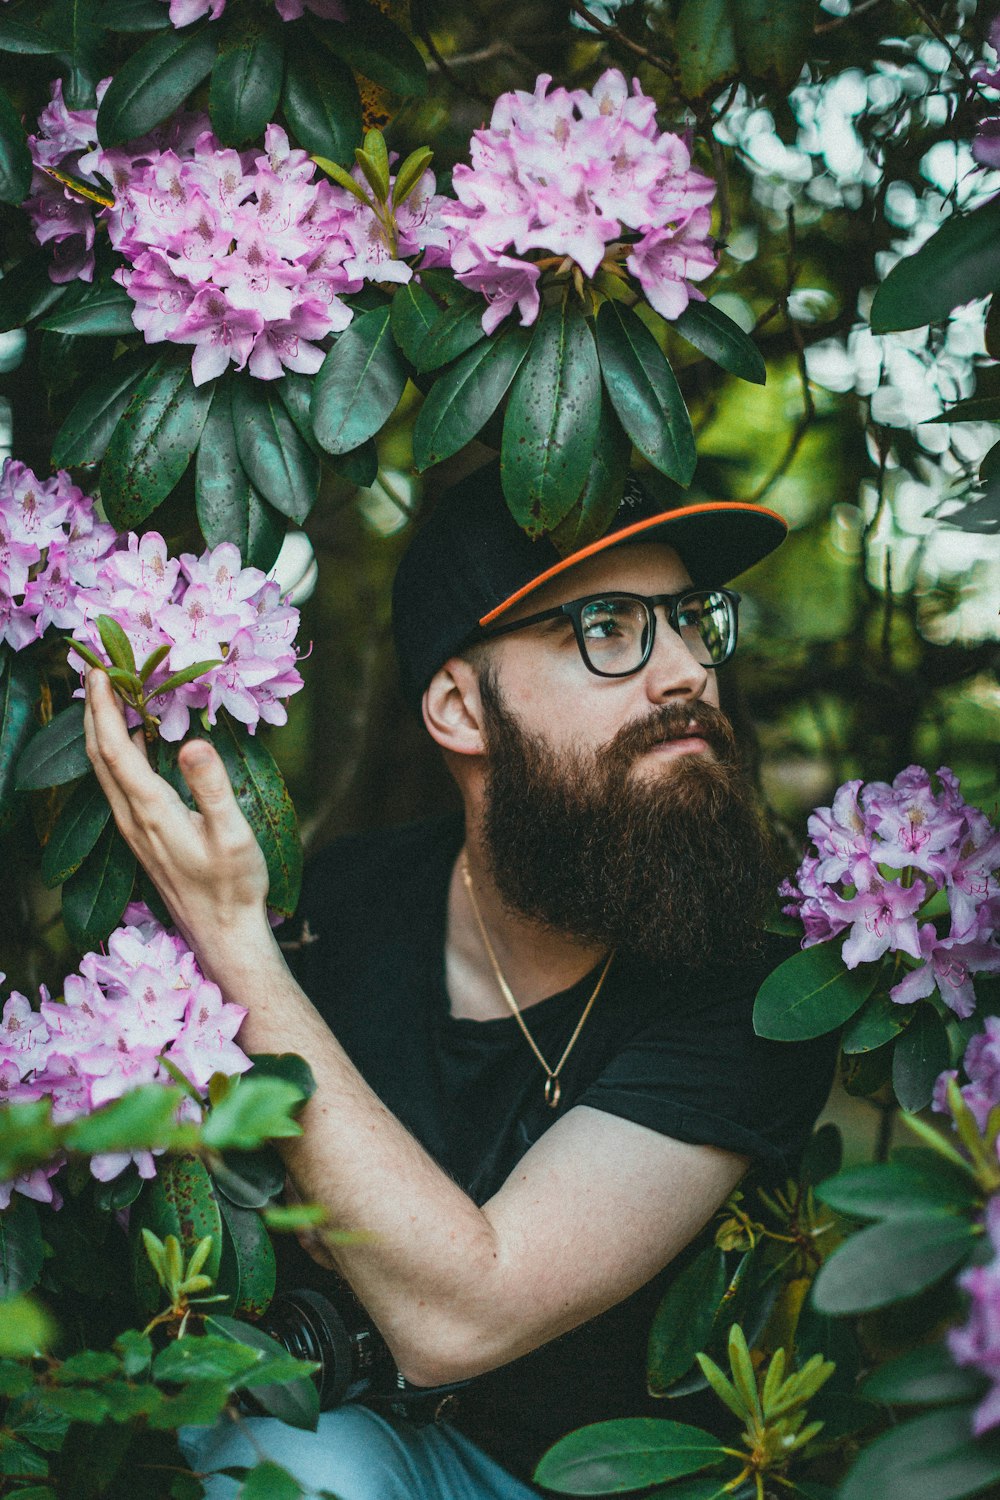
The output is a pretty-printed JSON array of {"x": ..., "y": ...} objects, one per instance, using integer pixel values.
[{"x": 673, "y": 868}]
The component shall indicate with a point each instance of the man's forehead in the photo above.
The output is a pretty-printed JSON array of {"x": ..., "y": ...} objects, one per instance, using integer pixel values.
[{"x": 637, "y": 568}]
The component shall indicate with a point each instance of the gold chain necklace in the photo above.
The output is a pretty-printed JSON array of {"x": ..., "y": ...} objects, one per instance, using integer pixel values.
[{"x": 553, "y": 1089}]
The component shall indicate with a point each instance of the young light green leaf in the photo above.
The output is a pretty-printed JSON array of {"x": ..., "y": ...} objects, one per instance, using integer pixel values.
[
  {"x": 774, "y": 1380},
  {"x": 744, "y": 1375},
  {"x": 116, "y": 643},
  {"x": 725, "y": 1391},
  {"x": 90, "y": 657},
  {"x": 187, "y": 674},
  {"x": 152, "y": 661},
  {"x": 157, "y": 1255},
  {"x": 343, "y": 179},
  {"x": 932, "y": 1137},
  {"x": 373, "y": 160},
  {"x": 127, "y": 683},
  {"x": 410, "y": 173},
  {"x": 199, "y": 1255},
  {"x": 173, "y": 1264}
]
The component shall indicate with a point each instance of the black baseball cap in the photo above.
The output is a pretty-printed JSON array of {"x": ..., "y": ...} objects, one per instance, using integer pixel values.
[{"x": 470, "y": 562}]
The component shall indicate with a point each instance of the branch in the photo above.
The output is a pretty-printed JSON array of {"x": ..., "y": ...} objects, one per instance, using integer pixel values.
[
  {"x": 443, "y": 66},
  {"x": 935, "y": 29},
  {"x": 808, "y": 406},
  {"x": 858, "y": 10},
  {"x": 615, "y": 35}
]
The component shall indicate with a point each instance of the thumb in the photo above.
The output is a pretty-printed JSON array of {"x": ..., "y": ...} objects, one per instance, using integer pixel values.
[{"x": 202, "y": 768}]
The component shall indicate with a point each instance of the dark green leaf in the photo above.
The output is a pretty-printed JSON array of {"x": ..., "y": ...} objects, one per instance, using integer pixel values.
[
  {"x": 644, "y": 392},
  {"x": 76, "y": 27},
  {"x": 15, "y": 163},
  {"x": 23, "y": 1460},
  {"x": 684, "y": 1319},
  {"x": 414, "y": 313},
  {"x": 287, "y": 1065},
  {"x": 602, "y": 492},
  {"x": 773, "y": 40},
  {"x": 921, "y": 1054},
  {"x": 254, "y": 1111},
  {"x": 454, "y": 330},
  {"x": 721, "y": 340},
  {"x": 207, "y": 1358},
  {"x": 250, "y": 1179},
  {"x": 626, "y": 1454},
  {"x": 961, "y": 261},
  {"x": 371, "y": 44},
  {"x": 229, "y": 508},
  {"x": 22, "y": 1250},
  {"x": 94, "y": 898},
  {"x": 551, "y": 422},
  {"x": 706, "y": 47},
  {"x": 891, "y": 1261},
  {"x": 877, "y": 1022},
  {"x": 462, "y": 400},
  {"x": 278, "y": 463},
  {"x": 139, "y": 1120},
  {"x": 136, "y": 1352},
  {"x": 811, "y": 993},
  {"x": 249, "y": 1243},
  {"x": 269, "y": 1481},
  {"x": 321, "y": 103},
  {"x": 121, "y": 1192},
  {"x": 296, "y": 393},
  {"x": 263, "y": 797},
  {"x": 359, "y": 467},
  {"x": 359, "y": 385},
  {"x": 133, "y": 15},
  {"x": 198, "y": 1404},
  {"x": 18, "y": 694},
  {"x": 154, "y": 82},
  {"x": 84, "y": 435},
  {"x": 246, "y": 81},
  {"x": 179, "y": 1200},
  {"x": 934, "y": 1457},
  {"x": 922, "y": 1377},
  {"x": 978, "y": 409},
  {"x": 153, "y": 442},
  {"x": 79, "y": 826},
  {"x": 56, "y": 754},
  {"x": 27, "y": 290},
  {"x": 295, "y": 1402},
  {"x": 27, "y": 35},
  {"x": 103, "y": 308},
  {"x": 921, "y": 1180}
]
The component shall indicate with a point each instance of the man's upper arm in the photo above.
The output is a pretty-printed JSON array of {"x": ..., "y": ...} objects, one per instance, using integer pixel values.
[{"x": 595, "y": 1209}]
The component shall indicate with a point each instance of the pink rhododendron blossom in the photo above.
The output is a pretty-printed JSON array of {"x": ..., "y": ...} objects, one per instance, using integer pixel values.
[
  {"x": 585, "y": 176},
  {"x": 977, "y": 1343},
  {"x": 937, "y": 843},
  {"x": 143, "y": 1000},
  {"x": 183, "y": 12},
  {"x": 59, "y": 216},
  {"x": 51, "y": 544},
  {"x": 207, "y": 608}
]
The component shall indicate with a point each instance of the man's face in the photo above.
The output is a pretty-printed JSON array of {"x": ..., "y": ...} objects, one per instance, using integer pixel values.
[{"x": 616, "y": 809}]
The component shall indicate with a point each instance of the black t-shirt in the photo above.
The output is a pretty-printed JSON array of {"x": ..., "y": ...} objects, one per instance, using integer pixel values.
[{"x": 671, "y": 1050}]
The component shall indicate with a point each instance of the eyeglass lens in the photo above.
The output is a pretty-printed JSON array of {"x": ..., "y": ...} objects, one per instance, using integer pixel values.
[{"x": 615, "y": 630}]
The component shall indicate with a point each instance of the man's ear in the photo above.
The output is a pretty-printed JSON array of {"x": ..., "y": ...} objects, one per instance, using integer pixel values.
[{"x": 453, "y": 710}]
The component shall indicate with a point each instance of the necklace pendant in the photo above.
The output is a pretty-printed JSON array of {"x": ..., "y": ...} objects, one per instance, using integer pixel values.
[{"x": 553, "y": 1091}]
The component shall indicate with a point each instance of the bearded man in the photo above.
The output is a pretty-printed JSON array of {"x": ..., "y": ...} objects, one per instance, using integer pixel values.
[{"x": 537, "y": 1076}]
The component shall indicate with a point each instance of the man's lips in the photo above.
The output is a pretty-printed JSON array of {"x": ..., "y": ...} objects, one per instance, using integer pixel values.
[{"x": 689, "y": 743}]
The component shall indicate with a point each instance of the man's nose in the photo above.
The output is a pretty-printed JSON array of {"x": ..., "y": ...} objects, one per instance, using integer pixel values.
[{"x": 672, "y": 672}]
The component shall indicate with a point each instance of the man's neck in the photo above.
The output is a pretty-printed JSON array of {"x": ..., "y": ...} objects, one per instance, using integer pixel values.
[{"x": 535, "y": 960}]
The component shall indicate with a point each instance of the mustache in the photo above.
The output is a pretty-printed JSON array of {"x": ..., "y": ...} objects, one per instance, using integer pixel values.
[{"x": 673, "y": 721}]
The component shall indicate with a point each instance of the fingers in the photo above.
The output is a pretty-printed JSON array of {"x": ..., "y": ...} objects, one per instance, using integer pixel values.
[
  {"x": 203, "y": 770},
  {"x": 121, "y": 767}
]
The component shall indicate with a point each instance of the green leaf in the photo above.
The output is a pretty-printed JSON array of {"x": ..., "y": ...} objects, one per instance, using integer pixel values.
[
  {"x": 27, "y": 290},
  {"x": 269, "y": 1481},
  {"x": 116, "y": 643},
  {"x": 56, "y": 754},
  {"x": 229, "y": 508},
  {"x": 414, "y": 313},
  {"x": 922, "y": 1377},
  {"x": 180, "y": 1201},
  {"x": 205, "y": 1358},
  {"x": 644, "y": 392},
  {"x": 104, "y": 308},
  {"x": 934, "y": 1457},
  {"x": 133, "y": 15},
  {"x": 343, "y": 179},
  {"x": 18, "y": 695},
  {"x": 603, "y": 488},
  {"x": 410, "y": 172},
  {"x": 154, "y": 82},
  {"x": 958, "y": 263},
  {"x": 773, "y": 40},
  {"x": 454, "y": 330},
  {"x": 139, "y": 1120},
  {"x": 255, "y": 1111},
  {"x": 135, "y": 1350},
  {"x": 94, "y": 897},
  {"x": 246, "y": 81},
  {"x": 359, "y": 385},
  {"x": 79, "y": 826},
  {"x": 22, "y": 1250},
  {"x": 153, "y": 442},
  {"x": 463, "y": 399},
  {"x": 359, "y": 467},
  {"x": 249, "y": 1244},
  {"x": 914, "y": 1181},
  {"x": 263, "y": 798},
  {"x": 250, "y": 1179},
  {"x": 372, "y": 45},
  {"x": 551, "y": 422},
  {"x": 877, "y": 1022},
  {"x": 373, "y": 159},
  {"x": 684, "y": 1319},
  {"x": 921, "y": 1054},
  {"x": 722, "y": 340},
  {"x": 706, "y": 47},
  {"x": 287, "y": 1065},
  {"x": 321, "y": 102},
  {"x": 281, "y": 467},
  {"x": 85, "y": 433},
  {"x": 978, "y": 409},
  {"x": 15, "y": 163},
  {"x": 27, "y": 35},
  {"x": 121, "y": 1192},
  {"x": 26, "y": 1329},
  {"x": 186, "y": 674},
  {"x": 626, "y": 1454},
  {"x": 295, "y": 1402},
  {"x": 891, "y": 1261},
  {"x": 810, "y": 994}
]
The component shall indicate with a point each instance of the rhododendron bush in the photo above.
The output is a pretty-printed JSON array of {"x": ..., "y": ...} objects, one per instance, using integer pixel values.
[{"x": 269, "y": 264}]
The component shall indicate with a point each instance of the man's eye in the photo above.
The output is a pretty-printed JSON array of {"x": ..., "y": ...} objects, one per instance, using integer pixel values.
[{"x": 602, "y": 628}]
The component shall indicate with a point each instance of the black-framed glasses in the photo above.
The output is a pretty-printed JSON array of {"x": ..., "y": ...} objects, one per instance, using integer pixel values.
[{"x": 615, "y": 632}]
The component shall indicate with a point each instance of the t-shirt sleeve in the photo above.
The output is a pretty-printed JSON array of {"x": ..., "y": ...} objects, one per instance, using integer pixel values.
[{"x": 704, "y": 1076}]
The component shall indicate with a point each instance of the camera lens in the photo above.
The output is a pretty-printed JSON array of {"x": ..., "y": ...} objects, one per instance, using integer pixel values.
[{"x": 349, "y": 1352}]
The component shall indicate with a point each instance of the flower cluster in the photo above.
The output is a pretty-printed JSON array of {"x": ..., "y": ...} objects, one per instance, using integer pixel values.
[
  {"x": 51, "y": 545},
  {"x": 583, "y": 176},
  {"x": 937, "y": 843},
  {"x": 183, "y": 12},
  {"x": 201, "y": 609},
  {"x": 60, "y": 216},
  {"x": 120, "y": 1016},
  {"x": 986, "y": 142},
  {"x": 383, "y": 235},
  {"x": 977, "y": 1343},
  {"x": 982, "y": 1067}
]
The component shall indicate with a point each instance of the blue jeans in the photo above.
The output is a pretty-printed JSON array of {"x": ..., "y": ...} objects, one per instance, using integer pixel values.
[{"x": 358, "y": 1455}]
